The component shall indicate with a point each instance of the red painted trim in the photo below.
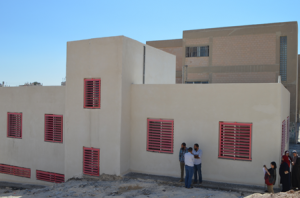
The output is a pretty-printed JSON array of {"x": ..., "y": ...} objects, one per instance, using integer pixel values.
[
  {"x": 91, "y": 161},
  {"x": 50, "y": 177},
  {"x": 53, "y": 128},
  {"x": 18, "y": 125},
  {"x": 15, "y": 170},
  {"x": 283, "y": 137},
  {"x": 164, "y": 136},
  {"x": 92, "y": 98},
  {"x": 235, "y": 142},
  {"x": 288, "y": 129}
]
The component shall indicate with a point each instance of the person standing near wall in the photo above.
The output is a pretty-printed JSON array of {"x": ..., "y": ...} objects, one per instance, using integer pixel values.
[
  {"x": 284, "y": 172},
  {"x": 270, "y": 176},
  {"x": 295, "y": 171},
  {"x": 189, "y": 167},
  {"x": 197, "y": 164},
  {"x": 183, "y": 150}
]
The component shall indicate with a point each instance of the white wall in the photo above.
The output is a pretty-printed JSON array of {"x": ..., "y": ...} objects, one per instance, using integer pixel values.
[
  {"x": 197, "y": 110},
  {"x": 31, "y": 151}
]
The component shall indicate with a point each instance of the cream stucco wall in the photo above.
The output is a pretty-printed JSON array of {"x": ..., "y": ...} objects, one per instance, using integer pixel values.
[
  {"x": 196, "y": 111},
  {"x": 31, "y": 151}
]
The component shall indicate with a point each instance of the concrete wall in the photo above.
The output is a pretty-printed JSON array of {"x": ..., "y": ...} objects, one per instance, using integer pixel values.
[
  {"x": 196, "y": 120},
  {"x": 31, "y": 151}
]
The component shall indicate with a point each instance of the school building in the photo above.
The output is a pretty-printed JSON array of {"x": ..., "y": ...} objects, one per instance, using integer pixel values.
[{"x": 121, "y": 111}]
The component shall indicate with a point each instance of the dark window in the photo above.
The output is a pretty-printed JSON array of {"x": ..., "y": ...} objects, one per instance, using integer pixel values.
[
  {"x": 14, "y": 125},
  {"x": 53, "y": 128},
  {"x": 283, "y": 58},
  {"x": 92, "y": 93},
  {"x": 200, "y": 51},
  {"x": 91, "y": 157}
]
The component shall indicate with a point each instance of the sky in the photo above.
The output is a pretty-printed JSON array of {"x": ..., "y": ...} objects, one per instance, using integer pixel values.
[{"x": 33, "y": 33}]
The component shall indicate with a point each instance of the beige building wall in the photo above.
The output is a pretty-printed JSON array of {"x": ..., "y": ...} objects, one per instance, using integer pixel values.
[
  {"x": 196, "y": 120},
  {"x": 31, "y": 151}
]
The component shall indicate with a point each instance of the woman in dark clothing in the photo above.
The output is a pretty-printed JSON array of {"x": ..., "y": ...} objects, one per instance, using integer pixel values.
[
  {"x": 284, "y": 172},
  {"x": 270, "y": 176},
  {"x": 295, "y": 171}
]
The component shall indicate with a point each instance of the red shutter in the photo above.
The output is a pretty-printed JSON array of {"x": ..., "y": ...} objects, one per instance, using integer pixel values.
[
  {"x": 235, "y": 141},
  {"x": 14, "y": 125},
  {"x": 91, "y": 158},
  {"x": 15, "y": 170},
  {"x": 160, "y": 135},
  {"x": 288, "y": 129},
  {"x": 283, "y": 137},
  {"x": 50, "y": 177},
  {"x": 53, "y": 128},
  {"x": 92, "y": 89}
]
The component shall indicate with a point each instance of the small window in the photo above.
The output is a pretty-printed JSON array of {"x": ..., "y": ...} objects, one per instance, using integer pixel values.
[
  {"x": 283, "y": 136},
  {"x": 14, "y": 125},
  {"x": 160, "y": 135},
  {"x": 91, "y": 158},
  {"x": 15, "y": 170},
  {"x": 53, "y": 128},
  {"x": 50, "y": 177},
  {"x": 288, "y": 129},
  {"x": 201, "y": 51},
  {"x": 283, "y": 58},
  {"x": 235, "y": 141},
  {"x": 196, "y": 82},
  {"x": 92, "y": 89}
]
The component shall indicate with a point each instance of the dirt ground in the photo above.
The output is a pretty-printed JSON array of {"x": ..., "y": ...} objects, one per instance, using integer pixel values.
[{"x": 116, "y": 187}]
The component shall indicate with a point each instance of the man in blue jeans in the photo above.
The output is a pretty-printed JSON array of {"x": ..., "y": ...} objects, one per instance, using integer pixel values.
[
  {"x": 189, "y": 167},
  {"x": 197, "y": 164}
]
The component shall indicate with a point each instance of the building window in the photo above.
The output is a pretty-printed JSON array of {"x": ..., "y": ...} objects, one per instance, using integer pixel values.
[
  {"x": 283, "y": 58},
  {"x": 14, "y": 125},
  {"x": 160, "y": 135},
  {"x": 283, "y": 136},
  {"x": 53, "y": 128},
  {"x": 235, "y": 141},
  {"x": 288, "y": 129},
  {"x": 196, "y": 82},
  {"x": 15, "y": 170},
  {"x": 50, "y": 177},
  {"x": 201, "y": 51},
  {"x": 91, "y": 158},
  {"x": 92, "y": 89}
]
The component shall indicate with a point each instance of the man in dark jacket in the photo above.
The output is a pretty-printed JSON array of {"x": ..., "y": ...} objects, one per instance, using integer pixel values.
[{"x": 295, "y": 170}]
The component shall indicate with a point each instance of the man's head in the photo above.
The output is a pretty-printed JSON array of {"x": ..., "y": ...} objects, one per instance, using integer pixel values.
[
  {"x": 196, "y": 146},
  {"x": 190, "y": 150},
  {"x": 183, "y": 145},
  {"x": 294, "y": 153}
]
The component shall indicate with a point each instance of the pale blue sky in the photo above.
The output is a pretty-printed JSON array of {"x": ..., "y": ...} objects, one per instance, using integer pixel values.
[{"x": 33, "y": 34}]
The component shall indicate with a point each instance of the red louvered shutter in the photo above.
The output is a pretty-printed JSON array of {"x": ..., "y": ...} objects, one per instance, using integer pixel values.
[
  {"x": 14, "y": 125},
  {"x": 288, "y": 129},
  {"x": 283, "y": 137},
  {"x": 92, "y": 96},
  {"x": 235, "y": 141},
  {"x": 160, "y": 135},
  {"x": 53, "y": 128},
  {"x": 91, "y": 158},
  {"x": 50, "y": 177},
  {"x": 15, "y": 170}
]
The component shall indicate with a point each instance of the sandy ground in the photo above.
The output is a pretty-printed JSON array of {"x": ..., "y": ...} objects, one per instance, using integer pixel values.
[{"x": 125, "y": 188}]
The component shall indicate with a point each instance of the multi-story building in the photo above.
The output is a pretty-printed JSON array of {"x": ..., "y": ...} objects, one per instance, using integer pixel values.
[{"x": 241, "y": 54}]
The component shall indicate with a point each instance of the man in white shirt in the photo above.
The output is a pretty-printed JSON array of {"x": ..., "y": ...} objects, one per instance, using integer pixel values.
[
  {"x": 189, "y": 167},
  {"x": 197, "y": 164}
]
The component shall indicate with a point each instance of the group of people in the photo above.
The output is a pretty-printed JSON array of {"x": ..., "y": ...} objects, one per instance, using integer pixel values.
[
  {"x": 289, "y": 172},
  {"x": 190, "y": 160}
]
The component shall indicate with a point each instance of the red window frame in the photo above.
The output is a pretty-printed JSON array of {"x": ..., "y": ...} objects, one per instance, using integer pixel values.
[
  {"x": 92, "y": 93},
  {"x": 288, "y": 129},
  {"x": 50, "y": 177},
  {"x": 14, "y": 125},
  {"x": 15, "y": 170},
  {"x": 160, "y": 134},
  {"x": 283, "y": 136},
  {"x": 91, "y": 161},
  {"x": 235, "y": 140},
  {"x": 53, "y": 128}
]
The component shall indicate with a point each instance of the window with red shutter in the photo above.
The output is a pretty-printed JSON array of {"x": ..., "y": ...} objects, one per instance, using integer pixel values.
[
  {"x": 235, "y": 141},
  {"x": 92, "y": 93},
  {"x": 15, "y": 170},
  {"x": 53, "y": 128},
  {"x": 160, "y": 135},
  {"x": 50, "y": 177},
  {"x": 288, "y": 129},
  {"x": 283, "y": 137},
  {"x": 14, "y": 125},
  {"x": 91, "y": 158}
]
